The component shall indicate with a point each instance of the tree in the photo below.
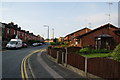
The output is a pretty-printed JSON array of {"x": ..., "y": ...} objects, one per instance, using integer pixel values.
[
  {"x": 55, "y": 40},
  {"x": 116, "y": 53}
]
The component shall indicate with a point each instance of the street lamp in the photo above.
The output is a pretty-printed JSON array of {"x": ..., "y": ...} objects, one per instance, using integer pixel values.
[
  {"x": 48, "y": 31},
  {"x": 53, "y": 32}
]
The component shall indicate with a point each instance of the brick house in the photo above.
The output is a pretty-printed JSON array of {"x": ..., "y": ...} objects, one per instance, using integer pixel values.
[
  {"x": 19, "y": 32},
  {"x": 117, "y": 32},
  {"x": 71, "y": 38},
  {"x": 5, "y": 31},
  {"x": 103, "y": 37},
  {"x": 22, "y": 35}
]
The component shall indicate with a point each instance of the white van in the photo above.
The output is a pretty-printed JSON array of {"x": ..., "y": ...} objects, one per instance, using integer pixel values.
[{"x": 14, "y": 43}]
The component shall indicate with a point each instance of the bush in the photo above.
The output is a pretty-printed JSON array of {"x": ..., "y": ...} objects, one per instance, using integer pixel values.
[
  {"x": 109, "y": 54},
  {"x": 63, "y": 46},
  {"x": 116, "y": 53},
  {"x": 66, "y": 42},
  {"x": 100, "y": 51},
  {"x": 85, "y": 50},
  {"x": 59, "y": 43},
  {"x": 88, "y": 50},
  {"x": 49, "y": 47},
  {"x": 52, "y": 43}
]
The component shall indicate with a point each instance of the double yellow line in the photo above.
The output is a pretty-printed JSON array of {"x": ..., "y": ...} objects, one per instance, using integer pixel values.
[{"x": 23, "y": 64}]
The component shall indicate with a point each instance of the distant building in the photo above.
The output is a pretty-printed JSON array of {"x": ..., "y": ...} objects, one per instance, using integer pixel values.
[
  {"x": 60, "y": 39},
  {"x": 11, "y": 30},
  {"x": 51, "y": 40}
]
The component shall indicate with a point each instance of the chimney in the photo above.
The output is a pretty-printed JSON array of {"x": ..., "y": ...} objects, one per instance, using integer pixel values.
[{"x": 86, "y": 29}]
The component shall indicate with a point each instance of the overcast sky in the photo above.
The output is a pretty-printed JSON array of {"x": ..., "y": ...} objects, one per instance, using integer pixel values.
[{"x": 64, "y": 17}]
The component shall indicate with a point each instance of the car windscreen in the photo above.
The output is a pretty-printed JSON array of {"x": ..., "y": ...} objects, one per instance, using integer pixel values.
[{"x": 12, "y": 42}]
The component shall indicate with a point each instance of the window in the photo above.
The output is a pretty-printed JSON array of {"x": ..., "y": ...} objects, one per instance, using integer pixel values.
[
  {"x": 18, "y": 33},
  {"x": 14, "y": 32},
  {"x": 25, "y": 37},
  {"x": 8, "y": 30},
  {"x": 22, "y": 34}
]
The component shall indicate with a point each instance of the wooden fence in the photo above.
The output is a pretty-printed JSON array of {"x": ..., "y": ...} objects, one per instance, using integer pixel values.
[
  {"x": 53, "y": 53},
  {"x": 103, "y": 67},
  {"x": 76, "y": 61}
]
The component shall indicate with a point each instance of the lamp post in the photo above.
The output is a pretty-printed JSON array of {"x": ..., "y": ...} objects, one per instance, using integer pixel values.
[
  {"x": 53, "y": 32},
  {"x": 48, "y": 31}
]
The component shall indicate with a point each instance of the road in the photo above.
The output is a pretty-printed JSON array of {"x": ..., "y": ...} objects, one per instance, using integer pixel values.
[{"x": 11, "y": 61}]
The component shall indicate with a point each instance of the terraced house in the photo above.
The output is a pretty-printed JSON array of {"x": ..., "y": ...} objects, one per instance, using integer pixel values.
[
  {"x": 103, "y": 37},
  {"x": 11, "y": 30}
]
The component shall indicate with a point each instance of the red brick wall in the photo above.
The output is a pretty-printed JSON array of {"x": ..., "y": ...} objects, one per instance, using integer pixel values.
[
  {"x": 11, "y": 32},
  {"x": 5, "y": 32},
  {"x": 20, "y": 35},
  {"x": 81, "y": 32},
  {"x": 78, "y": 33},
  {"x": 89, "y": 39}
]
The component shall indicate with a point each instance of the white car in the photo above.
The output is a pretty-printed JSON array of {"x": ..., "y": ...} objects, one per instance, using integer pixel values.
[
  {"x": 40, "y": 43},
  {"x": 34, "y": 44},
  {"x": 14, "y": 43}
]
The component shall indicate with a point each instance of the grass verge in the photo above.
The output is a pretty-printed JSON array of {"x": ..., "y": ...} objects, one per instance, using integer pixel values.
[{"x": 96, "y": 55}]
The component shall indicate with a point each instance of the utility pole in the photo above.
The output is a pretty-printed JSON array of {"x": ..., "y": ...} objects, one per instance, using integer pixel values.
[{"x": 48, "y": 31}]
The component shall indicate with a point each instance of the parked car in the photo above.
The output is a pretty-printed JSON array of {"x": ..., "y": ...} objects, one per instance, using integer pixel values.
[
  {"x": 24, "y": 45},
  {"x": 34, "y": 44},
  {"x": 14, "y": 44},
  {"x": 39, "y": 44}
]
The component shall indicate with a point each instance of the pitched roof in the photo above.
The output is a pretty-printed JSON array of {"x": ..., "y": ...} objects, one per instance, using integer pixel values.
[
  {"x": 77, "y": 31},
  {"x": 117, "y": 31},
  {"x": 106, "y": 25}
]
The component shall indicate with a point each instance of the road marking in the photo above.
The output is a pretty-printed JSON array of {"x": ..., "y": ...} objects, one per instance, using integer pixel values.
[
  {"x": 25, "y": 68},
  {"x": 24, "y": 74},
  {"x": 31, "y": 69}
]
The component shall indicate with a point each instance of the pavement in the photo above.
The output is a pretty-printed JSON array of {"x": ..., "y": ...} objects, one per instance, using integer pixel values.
[{"x": 41, "y": 67}]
